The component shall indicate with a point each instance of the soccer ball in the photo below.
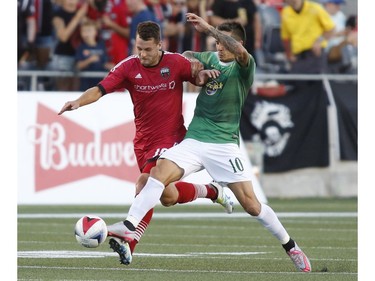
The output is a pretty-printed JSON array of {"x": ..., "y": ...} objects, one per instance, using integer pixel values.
[{"x": 90, "y": 231}]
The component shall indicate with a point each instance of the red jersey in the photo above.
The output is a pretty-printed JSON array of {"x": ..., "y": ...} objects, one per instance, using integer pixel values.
[{"x": 156, "y": 93}]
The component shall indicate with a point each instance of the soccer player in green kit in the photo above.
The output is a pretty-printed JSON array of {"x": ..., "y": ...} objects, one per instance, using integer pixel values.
[{"x": 212, "y": 140}]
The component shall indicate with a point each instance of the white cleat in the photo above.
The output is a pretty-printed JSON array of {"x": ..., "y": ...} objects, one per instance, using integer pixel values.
[
  {"x": 122, "y": 249},
  {"x": 222, "y": 198},
  {"x": 299, "y": 259},
  {"x": 119, "y": 230}
]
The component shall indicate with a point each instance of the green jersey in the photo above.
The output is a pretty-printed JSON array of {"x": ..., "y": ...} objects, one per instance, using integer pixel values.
[{"x": 219, "y": 104}]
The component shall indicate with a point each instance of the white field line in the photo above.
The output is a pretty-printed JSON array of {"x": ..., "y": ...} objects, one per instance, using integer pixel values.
[
  {"x": 190, "y": 215},
  {"x": 98, "y": 254},
  {"x": 177, "y": 270}
]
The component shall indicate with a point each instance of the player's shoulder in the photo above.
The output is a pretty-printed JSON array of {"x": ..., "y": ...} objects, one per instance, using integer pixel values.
[
  {"x": 175, "y": 56},
  {"x": 127, "y": 62}
]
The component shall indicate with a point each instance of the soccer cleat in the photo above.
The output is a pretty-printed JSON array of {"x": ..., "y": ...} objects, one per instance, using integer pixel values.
[
  {"x": 222, "y": 198},
  {"x": 299, "y": 259},
  {"x": 122, "y": 249},
  {"x": 119, "y": 230}
]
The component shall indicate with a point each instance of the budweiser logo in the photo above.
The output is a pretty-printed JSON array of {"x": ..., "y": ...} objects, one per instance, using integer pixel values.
[{"x": 65, "y": 151}]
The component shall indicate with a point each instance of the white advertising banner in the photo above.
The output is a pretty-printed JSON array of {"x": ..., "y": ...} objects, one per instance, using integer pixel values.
[{"x": 84, "y": 156}]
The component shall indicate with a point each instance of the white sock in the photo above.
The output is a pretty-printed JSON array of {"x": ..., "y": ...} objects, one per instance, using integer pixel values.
[
  {"x": 145, "y": 201},
  {"x": 201, "y": 190},
  {"x": 269, "y": 220}
]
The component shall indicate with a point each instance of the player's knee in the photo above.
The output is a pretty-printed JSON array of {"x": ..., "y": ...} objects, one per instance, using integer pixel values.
[
  {"x": 253, "y": 208},
  {"x": 167, "y": 201}
]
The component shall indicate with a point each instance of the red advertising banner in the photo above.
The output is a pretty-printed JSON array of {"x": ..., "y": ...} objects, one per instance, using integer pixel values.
[{"x": 84, "y": 156}]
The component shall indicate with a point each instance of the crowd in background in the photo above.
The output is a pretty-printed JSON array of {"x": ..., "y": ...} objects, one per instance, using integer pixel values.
[{"x": 95, "y": 35}]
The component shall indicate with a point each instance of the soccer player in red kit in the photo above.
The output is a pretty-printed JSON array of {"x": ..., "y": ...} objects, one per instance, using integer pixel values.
[{"x": 154, "y": 79}]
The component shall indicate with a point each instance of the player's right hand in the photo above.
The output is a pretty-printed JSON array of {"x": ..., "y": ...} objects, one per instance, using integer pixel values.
[{"x": 68, "y": 106}]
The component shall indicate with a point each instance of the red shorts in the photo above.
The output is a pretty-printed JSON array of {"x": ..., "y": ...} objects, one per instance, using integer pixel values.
[{"x": 147, "y": 155}]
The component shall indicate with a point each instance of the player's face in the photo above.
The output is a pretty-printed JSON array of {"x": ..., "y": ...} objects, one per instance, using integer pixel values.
[
  {"x": 224, "y": 54},
  {"x": 148, "y": 51}
]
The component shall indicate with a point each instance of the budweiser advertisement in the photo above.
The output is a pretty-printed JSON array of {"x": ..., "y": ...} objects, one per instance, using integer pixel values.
[{"x": 84, "y": 156}]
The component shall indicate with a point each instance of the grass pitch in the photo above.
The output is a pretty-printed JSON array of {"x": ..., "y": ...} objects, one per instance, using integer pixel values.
[{"x": 193, "y": 242}]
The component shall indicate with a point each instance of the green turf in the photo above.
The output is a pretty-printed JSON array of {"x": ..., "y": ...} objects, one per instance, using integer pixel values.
[{"x": 226, "y": 248}]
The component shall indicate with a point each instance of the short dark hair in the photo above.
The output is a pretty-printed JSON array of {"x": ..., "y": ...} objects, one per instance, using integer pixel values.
[
  {"x": 149, "y": 30},
  {"x": 351, "y": 22},
  {"x": 236, "y": 29}
]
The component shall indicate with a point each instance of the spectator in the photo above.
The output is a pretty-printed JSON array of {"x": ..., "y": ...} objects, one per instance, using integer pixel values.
[
  {"x": 160, "y": 8},
  {"x": 26, "y": 31},
  {"x": 174, "y": 26},
  {"x": 91, "y": 55},
  {"x": 140, "y": 13},
  {"x": 305, "y": 26},
  {"x": 66, "y": 22},
  {"x": 222, "y": 10},
  {"x": 342, "y": 58},
  {"x": 277, "y": 4},
  {"x": 253, "y": 28},
  {"x": 45, "y": 39},
  {"x": 112, "y": 18},
  {"x": 343, "y": 42},
  {"x": 193, "y": 40},
  {"x": 333, "y": 7},
  {"x": 244, "y": 12}
]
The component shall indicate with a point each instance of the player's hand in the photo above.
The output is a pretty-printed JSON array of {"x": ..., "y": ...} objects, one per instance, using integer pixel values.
[
  {"x": 205, "y": 75},
  {"x": 68, "y": 106},
  {"x": 196, "y": 66},
  {"x": 199, "y": 23}
]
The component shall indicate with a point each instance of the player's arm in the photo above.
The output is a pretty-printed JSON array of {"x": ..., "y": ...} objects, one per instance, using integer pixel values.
[
  {"x": 231, "y": 44},
  {"x": 89, "y": 96},
  {"x": 202, "y": 75}
]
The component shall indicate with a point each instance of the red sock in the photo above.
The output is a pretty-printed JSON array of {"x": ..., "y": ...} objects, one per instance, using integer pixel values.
[
  {"x": 211, "y": 192},
  {"x": 189, "y": 192},
  {"x": 186, "y": 192},
  {"x": 141, "y": 228}
]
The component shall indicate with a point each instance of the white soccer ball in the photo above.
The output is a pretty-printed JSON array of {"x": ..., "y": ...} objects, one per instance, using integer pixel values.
[{"x": 90, "y": 231}]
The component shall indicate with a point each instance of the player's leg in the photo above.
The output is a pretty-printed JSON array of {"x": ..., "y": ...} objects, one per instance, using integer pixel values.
[
  {"x": 188, "y": 157},
  {"x": 184, "y": 192},
  {"x": 267, "y": 217},
  {"x": 144, "y": 223},
  {"x": 148, "y": 197},
  {"x": 226, "y": 163},
  {"x": 115, "y": 231}
]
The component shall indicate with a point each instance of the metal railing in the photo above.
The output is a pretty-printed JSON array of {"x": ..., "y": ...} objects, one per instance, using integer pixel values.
[{"x": 34, "y": 74}]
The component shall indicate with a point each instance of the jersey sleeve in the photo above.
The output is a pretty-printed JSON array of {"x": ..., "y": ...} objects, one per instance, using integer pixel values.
[
  {"x": 116, "y": 78},
  {"x": 204, "y": 58},
  {"x": 185, "y": 68},
  {"x": 248, "y": 71}
]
